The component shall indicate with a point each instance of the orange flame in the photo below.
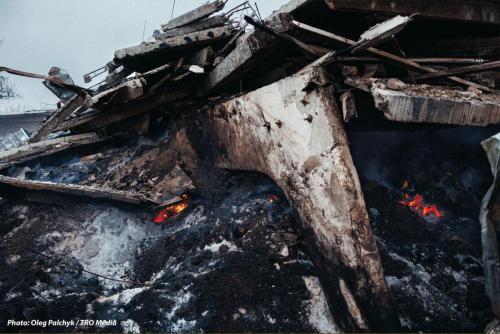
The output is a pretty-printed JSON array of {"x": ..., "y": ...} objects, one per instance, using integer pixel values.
[
  {"x": 416, "y": 203},
  {"x": 171, "y": 210},
  {"x": 273, "y": 198}
]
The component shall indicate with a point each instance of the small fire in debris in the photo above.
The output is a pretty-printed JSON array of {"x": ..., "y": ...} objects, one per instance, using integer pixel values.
[
  {"x": 416, "y": 203},
  {"x": 273, "y": 198},
  {"x": 172, "y": 210}
]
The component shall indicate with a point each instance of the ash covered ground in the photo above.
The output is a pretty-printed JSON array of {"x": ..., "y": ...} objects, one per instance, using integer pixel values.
[
  {"x": 432, "y": 265},
  {"x": 234, "y": 261}
]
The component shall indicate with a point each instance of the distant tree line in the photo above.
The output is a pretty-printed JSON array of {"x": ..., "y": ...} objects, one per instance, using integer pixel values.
[{"x": 6, "y": 87}]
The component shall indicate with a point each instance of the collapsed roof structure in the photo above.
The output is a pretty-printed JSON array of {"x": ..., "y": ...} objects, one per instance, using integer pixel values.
[{"x": 274, "y": 97}]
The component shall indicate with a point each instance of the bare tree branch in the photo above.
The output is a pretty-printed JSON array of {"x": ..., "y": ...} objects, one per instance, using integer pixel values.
[{"x": 6, "y": 88}]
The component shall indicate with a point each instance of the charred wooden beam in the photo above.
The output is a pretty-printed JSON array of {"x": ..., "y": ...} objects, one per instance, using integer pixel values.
[
  {"x": 144, "y": 104},
  {"x": 194, "y": 15},
  {"x": 45, "y": 148},
  {"x": 460, "y": 70},
  {"x": 431, "y": 104},
  {"x": 211, "y": 22},
  {"x": 76, "y": 102},
  {"x": 16, "y": 187},
  {"x": 392, "y": 58},
  {"x": 480, "y": 11},
  {"x": 292, "y": 131}
]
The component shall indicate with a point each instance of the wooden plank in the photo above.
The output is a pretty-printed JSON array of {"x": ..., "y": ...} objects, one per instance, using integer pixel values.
[
  {"x": 194, "y": 15},
  {"x": 45, "y": 148},
  {"x": 400, "y": 61},
  {"x": 480, "y": 11},
  {"x": 12, "y": 186},
  {"x": 460, "y": 70},
  {"x": 211, "y": 22},
  {"x": 304, "y": 149},
  {"x": 431, "y": 104},
  {"x": 58, "y": 117}
]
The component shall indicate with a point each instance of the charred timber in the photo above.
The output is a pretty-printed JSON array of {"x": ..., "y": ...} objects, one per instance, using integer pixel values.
[
  {"x": 45, "y": 148},
  {"x": 10, "y": 186}
]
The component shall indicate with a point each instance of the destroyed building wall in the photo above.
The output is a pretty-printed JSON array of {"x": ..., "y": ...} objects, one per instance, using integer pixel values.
[
  {"x": 271, "y": 92},
  {"x": 291, "y": 131}
]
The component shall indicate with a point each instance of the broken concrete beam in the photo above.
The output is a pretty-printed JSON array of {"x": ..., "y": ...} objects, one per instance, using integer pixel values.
[
  {"x": 116, "y": 76},
  {"x": 431, "y": 104},
  {"x": 194, "y": 15},
  {"x": 252, "y": 47},
  {"x": 174, "y": 44},
  {"x": 123, "y": 93},
  {"x": 45, "y": 148},
  {"x": 291, "y": 6},
  {"x": 292, "y": 131},
  {"x": 480, "y": 11},
  {"x": 348, "y": 105},
  {"x": 211, "y": 22},
  {"x": 202, "y": 58},
  {"x": 16, "y": 187}
]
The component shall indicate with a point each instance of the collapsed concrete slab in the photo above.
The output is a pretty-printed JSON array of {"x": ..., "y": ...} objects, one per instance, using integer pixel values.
[
  {"x": 430, "y": 104},
  {"x": 481, "y": 11},
  {"x": 211, "y": 22},
  {"x": 292, "y": 131},
  {"x": 194, "y": 15},
  {"x": 173, "y": 45},
  {"x": 250, "y": 49}
]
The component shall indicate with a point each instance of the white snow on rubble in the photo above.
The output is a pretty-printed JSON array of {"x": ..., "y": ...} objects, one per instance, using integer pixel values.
[{"x": 320, "y": 317}]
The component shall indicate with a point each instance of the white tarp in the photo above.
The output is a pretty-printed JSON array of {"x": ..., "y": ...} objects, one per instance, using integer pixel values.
[{"x": 490, "y": 226}]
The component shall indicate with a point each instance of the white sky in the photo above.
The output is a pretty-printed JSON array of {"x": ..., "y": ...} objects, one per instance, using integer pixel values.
[{"x": 79, "y": 36}]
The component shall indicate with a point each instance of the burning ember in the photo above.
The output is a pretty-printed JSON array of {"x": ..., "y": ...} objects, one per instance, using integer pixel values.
[
  {"x": 273, "y": 198},
  {"x": 172, "y": 210},
  {"x": 416, "y": 203}
]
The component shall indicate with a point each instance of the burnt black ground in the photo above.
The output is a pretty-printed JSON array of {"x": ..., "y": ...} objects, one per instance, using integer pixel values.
[
  {"x": 433, "y": 267},
  {"x": 215, "y": 267}
]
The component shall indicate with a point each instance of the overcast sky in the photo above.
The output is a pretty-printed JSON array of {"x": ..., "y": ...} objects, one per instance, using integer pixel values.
[{"x": 79, "y": 36}]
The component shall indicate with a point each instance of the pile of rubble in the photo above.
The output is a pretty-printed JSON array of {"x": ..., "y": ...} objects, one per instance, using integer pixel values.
[{"x": 273, "y": 96}]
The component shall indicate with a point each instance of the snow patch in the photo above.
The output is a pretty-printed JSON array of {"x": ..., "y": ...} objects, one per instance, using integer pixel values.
[
  {"x": 129, "y": 326},
  {"x": 320, "y": 317},
  {"x": 215, "y": 247}
]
